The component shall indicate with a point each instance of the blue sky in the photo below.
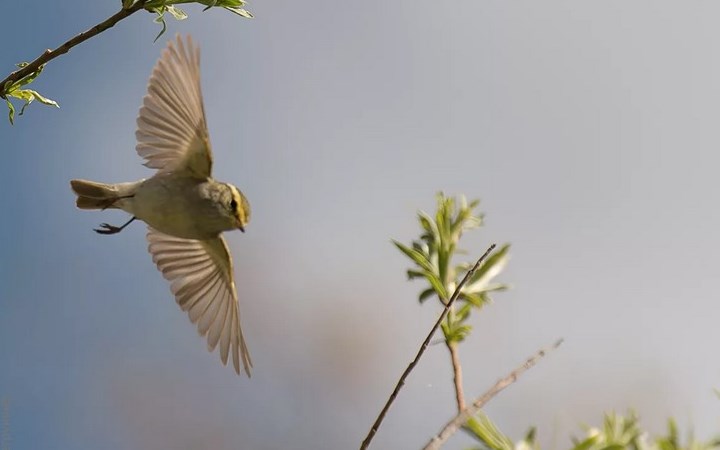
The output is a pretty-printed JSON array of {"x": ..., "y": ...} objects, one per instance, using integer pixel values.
[{"x": 589, "y": 131}]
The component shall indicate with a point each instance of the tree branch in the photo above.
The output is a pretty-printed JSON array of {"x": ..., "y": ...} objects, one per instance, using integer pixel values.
[
  {"x": 420, "y": 352},
  {"x": 459, "y": 420},
  {"x": 49, "y": 55},
  {"x": 457, "y": 372}
]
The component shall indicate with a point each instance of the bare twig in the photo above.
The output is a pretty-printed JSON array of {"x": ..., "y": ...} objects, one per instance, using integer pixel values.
[
  {"x": 49, "y": 55},
  {"x": 420, "y": 352},
  {"x": 457, "y": 375},
  {"x": 458, "y": 421}
]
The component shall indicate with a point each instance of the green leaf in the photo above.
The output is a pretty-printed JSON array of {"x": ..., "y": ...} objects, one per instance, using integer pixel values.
[
  {"x": 234, "y": 6},
  {"x": 24, "y": 81},
  {"x": 491, "y": 268},
  {"x": 28, "y": 96},
  {"x": 160, "y": 7},
  {"x": 437, "y": 286},
  {"x": 414, "y": 273},
  {"x": 587, "y": 443},
  {"x": 239, "y": 11},
  {"x": 464, "y": 312},
  {"x": 672, "y": 433},
  {"x": 484, "y": 430},
  {"x": 426, "y": 294},
  {"x": 613, "y": 447},
  {"x": 529, "y": 442},
  {"x": 161, "y": 20},
  {"x": 419, "y": 258},
  {"x": 44, "y": 100},
  {"x": 11, "y": 112},
  {"x": 455, "y": 331},
  {"x": 443, "y": 260},
  {"x": 177, "y": 13},
  {"x": 428, "y": 225},
  {"x": 475, "y": 300}
]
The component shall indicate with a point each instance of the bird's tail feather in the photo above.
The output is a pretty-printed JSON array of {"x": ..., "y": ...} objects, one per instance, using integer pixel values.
[{"x": 93, "y": 195}]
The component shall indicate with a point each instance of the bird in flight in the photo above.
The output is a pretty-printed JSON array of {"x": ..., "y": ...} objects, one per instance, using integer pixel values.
[{"x": 186, "y": 210}]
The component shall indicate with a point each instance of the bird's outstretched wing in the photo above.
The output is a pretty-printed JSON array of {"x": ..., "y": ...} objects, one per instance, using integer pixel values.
[
  {"x": 201, "y": 278},
  {"x": 171, "y": 129}
]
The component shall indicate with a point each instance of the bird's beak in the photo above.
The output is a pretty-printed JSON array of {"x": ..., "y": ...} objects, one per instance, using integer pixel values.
[{"x": 241, "y": 228}]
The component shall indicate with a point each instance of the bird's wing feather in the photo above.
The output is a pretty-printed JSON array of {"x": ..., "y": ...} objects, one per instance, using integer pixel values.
[
  {"x": 171, "y": 129},
  {"x": 201, "y": 278}
]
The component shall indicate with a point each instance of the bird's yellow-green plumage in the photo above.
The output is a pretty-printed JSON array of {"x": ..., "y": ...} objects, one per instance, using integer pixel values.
[{"x": 185, "y": 208}]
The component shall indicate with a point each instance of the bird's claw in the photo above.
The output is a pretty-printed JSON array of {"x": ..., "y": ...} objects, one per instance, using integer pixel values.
[{"x": 106, "y": 228}]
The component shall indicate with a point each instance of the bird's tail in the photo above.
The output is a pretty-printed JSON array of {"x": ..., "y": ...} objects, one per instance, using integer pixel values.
[{"x": 92, "y": 195}]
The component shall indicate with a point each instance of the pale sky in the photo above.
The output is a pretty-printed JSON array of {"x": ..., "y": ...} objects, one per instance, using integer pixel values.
[{"x": 588, "y": 129}]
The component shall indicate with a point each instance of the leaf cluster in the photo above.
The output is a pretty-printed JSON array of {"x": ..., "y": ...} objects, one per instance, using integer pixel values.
[
  {"x": 432, "y": 255},
  {"x": 160, "y": 7},
  {"x": 16, "y": 90},
  {"x": 620, "y": 432}
]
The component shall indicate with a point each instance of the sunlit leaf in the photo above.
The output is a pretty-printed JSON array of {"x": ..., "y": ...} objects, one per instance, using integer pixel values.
[
  {"x": 240, "y": 12},
  {"x": 44, "y": 100},
  {"x": 491, "y": 268},
  {"x": 177, "y": 13},
  {"x": 484, "y": 430}
]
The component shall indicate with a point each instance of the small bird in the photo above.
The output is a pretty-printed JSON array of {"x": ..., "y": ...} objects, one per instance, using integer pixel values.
[{"x": 186, "y": 210}]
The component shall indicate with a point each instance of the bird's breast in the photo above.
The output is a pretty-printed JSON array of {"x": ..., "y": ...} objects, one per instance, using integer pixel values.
[{"x": 176, "y": 206}]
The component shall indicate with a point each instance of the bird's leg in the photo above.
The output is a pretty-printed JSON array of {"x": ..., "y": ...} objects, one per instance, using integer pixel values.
[{"x": 106, "y": 228}]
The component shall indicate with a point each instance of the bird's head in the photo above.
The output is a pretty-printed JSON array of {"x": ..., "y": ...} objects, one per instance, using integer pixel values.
[{"x": 239, "y": 207}]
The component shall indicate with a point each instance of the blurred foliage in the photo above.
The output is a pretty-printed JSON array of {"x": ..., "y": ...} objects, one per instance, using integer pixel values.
[
  {"x": 485, "y": 431},
  {"x": 617, "y": 432},
  {"x": 433, "y": 254},
  {"x": 15, "y": 90}
]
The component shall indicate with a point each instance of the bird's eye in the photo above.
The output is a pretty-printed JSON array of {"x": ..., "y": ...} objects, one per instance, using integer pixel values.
[{"x": 233, "y": 205}]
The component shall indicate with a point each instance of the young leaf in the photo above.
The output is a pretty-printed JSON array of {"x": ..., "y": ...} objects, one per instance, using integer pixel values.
[
  {"x": 26, "y": 95},
  {"x": 484, "y": 430},
  {"x": 161, "y": 20},
  {"x": 464, "y": 312},
  {"x": 426, "y": 294},
  {"x": 475, "y": 300},
  {"x": 437, "y": 286},
  {"x": 489, "y": 270},
  {"x": 11, "y": 112},
  {"x": 418, "y": 258},
  {"x": 239, "y": 11},
  {"x": 177, "y": 13}
]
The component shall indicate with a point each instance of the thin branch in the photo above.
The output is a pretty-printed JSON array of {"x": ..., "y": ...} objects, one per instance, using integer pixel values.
[
  {"x": 457, "y": 375},
  {"x": 420, "y": 352},
  {"x": 458, "y": 421},
  {"x": 49, "y": 55}
]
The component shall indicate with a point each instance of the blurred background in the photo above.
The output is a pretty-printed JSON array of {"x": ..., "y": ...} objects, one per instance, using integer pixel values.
[{"x": 589, "y": 131}]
